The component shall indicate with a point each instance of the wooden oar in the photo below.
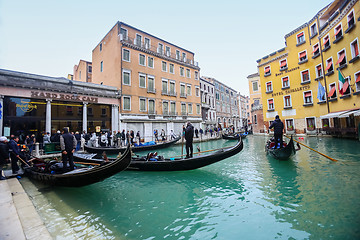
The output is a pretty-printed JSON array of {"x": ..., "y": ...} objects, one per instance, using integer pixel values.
[
  {"x": 332, "y": 159},
  {"x": 201, "y": 152},
  {"x": 24, "y": 161},
  {"x": 85, "y": 163}
]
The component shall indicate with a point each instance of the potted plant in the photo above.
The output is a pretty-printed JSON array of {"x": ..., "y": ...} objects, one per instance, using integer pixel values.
[
  {"x": 290, "y": 128},
  {"x": 311, "y": 128},
  {"x": 325, "y": 126}
]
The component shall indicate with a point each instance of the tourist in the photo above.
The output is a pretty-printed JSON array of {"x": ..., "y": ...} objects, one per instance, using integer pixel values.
[
  {"x": 109, "y": 137},
  {"x": 93, "y": 140},
  {"x": 123, "y": 135},
  {"x": 128, "y": 138},
  {"x": 118, "y": 137},
  {"x": 15, "y": 154},
  {"x": 278, "y": 126},
  {"x": 201, "y": 132},
  {"x": 138, "y": 137},
  {"x": 78, "y": 140},
  {"x": 68, "y": 145},
  {"x": 56, "y": 137},
  {"x": 196, "y": 133},
  {"x": 4, "y": 155},
  {"x": 46, "y": 139},
  {"x": 211, "y": 132},
  {"x": 103, "y": 140},
  {"x": 172, "y": 135},
  {"x": 114, "y": 139},
  {"x": 189, "y": 135},
  {"x": 163, "y": 135},
  {"x": 132, "y": 137},
  {"x": 156, "y": 135}
]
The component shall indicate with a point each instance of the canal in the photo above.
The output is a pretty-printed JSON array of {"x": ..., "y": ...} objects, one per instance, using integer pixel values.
[{"x": 247, "y": 196}]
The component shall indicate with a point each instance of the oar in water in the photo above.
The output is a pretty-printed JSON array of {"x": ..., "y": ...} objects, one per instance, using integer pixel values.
[{"x": 332, "y": 159}]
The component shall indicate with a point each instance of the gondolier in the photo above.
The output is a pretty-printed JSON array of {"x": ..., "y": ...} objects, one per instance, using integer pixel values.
[
  {"x": 68, "y": 145},
  {"x": 189, "y": 136},
  {"x": 278, "y": 126}
]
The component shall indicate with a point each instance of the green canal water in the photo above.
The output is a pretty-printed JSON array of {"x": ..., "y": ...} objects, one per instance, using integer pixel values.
[{"x": 247, "y": 196}]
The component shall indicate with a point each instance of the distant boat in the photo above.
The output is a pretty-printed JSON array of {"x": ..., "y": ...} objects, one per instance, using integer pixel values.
[
  {"x": 116, "y": 150},
  {"x": 283, "y": 153},
  {"x": 80, "y": 176},
  {"x": 231, "y": 136},
  {"x": 146, "y": 163}
]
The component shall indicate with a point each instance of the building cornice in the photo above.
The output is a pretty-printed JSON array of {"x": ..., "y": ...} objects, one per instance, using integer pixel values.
[{"x": 274, "y": 59}]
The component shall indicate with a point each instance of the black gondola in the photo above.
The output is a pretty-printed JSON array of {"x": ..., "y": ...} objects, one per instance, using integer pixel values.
[
  {"x": 176, "y": 164},
  {"x": 116, "y": 150},
  {"x": 283, "y": 153},
  {"x": 82, "y": 176},
  {"x": 231, "y": 136}
]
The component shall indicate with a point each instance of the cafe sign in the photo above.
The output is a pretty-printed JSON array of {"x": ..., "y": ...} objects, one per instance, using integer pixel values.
[{"x": 63, "y": 97}]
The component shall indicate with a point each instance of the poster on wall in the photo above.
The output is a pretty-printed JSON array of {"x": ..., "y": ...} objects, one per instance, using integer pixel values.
[
  {"x": 97, "y": 128},
  {"x": 6, "y": 131}
]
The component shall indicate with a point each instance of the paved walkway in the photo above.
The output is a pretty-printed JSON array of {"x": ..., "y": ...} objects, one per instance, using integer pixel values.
[{"x": 18, "y": 216}]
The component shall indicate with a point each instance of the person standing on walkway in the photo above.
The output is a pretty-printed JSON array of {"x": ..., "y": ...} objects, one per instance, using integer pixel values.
[
  {"x": 4, "y": 155},
  {"x": 278, "y": 126},
  {"x": 78, "y": 140},
  {"x": 123, "y": 138},
  {"x": 15, "y": 154},
  {"x": 189, "y": 136},
  {"x": 46, "y": 139},
  {"x": 68, "y": 145}
]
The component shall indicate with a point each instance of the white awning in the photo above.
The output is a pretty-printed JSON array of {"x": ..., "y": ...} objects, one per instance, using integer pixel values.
[
  {"x": 357, "y": 113},
  {"x": 345, "y": 115},
  {"x": 333, "y": 115}
]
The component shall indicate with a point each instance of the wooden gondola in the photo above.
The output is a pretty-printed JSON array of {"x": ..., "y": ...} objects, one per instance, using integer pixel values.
[
  {"x": 116, "y": 150},
  {"x": 81, "y": 176},
  {"x": 283, "y": 153},
  {"x": 175, "y": 164},
  {"x": 231, "y": 136}
]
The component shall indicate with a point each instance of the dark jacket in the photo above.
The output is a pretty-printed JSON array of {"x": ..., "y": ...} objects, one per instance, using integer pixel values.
[
  {"x": 278, "y": 126},
  {"x": 67, "y": 142},
  {"x": 14, "y": 147},
  {"x": 77, "y": 136},
  {"x": 189, "y": 133},
  {"x": 55, "y": 138},
  {"x": 4, "y": 153}
]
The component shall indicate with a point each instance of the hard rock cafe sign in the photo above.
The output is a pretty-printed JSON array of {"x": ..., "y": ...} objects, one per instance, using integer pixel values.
[
  {"x": 26, "y": 106},
  {"x": 64, "y": 97}
]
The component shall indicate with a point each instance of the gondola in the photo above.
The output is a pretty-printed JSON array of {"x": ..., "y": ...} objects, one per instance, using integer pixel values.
[
  {"x": 116, "y": 150},
  {"x": 243, "y": 135},
  {"x": 231, "y": 136},
  {"x": 175, "y": 164},
  {"x": 81, "y": 176},
  {"x": 283, "y": 153}
]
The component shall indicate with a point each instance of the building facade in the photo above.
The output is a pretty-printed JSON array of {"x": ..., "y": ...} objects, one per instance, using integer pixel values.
[
  {"x": 244, "y": 111},
  {"x": 256, "y": 118},
  {"x": 313, "y": 83},
  {"x": 159, "y": 81},
  {"x": 83, "y": 71},
  {"x": 208, "y": 111}
]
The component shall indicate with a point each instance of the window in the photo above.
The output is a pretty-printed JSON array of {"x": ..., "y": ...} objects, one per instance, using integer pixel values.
[
  {"x": 305, "y": 76},
  {"x": 165, "y": 108},
  {"x": 270, "y": 104},
  {"x": 90, "y": 111},
  {"x": 318, "y": 71},
  {"x": 147, "y": 43},
  {"x": 302, "y": 56},
  {"x": 354, "y": 48},
  {"x": 267, "y": 71},
  {"x": 164, "y": 86},
  {"x": 160, "y": 48},
  {"x": 127, "y": 103},
  {"x": 151, "y": 84},
  {"x": 188, "y": 75},
  {"x": 151, "y": 106},
  {"x": 287, "y": 101},
  {"x": 80, "y": 75},
  {"x": 171, "y": 68},
  {"x": 326, "y": 42},
  {"x": 285, "y": 82},
  {"x": 313, "y": 30},
  {"x": 283, "y": 64},
  {"x": 126, "y": 55},
  {"x": 151, "y": 62},
  {"x": 190, "y": 108},
  {"x": 142, "y": 60},
  {"x": 198, "y": 109},
  {"x": 69, "y": 110},
  {"x": 308, "y": 97},
  {"x": 138, "y": 40},
  {"x": 255, "y": 119},
  {"x": 142, "y": 104},
  {"x": 101, "y": 66},
  {"x": 300, "y": 38},
  {"x": 123, "y": 33},
  {"x": 181, "y": 71},
  {"x": 184, "y": 57},
  {"x": 341, "y": 58},
  {"x": 338, "y": 32},
  {"x": 89, "y": 69},
  {"x": 172, "y": 108},
  {"x": 357, "y": 81},
  {"x": 255, "y": 86},
  {"x": 182, "y": 90},
  {"x": 142, "y": 80},
  {"x": 126, "y": 77},
  {"x": 329, "y": 65},
  {"x": 177, "y": 54},
  {"x": 167, "y": 51},
  {"x": 310, "y": 123},
  {"x": 316, "y": 50},
  {"x": 183, "y": 109},
  {"x": 269, "y": 87},
  {"x": 332, "y": 91},
  {"x": 172, "y": 88},
  {"x": 188, "y": 90},
  {"x": 196, "y": 75},
  {"x": 164, "y": 66},
  {"x": 344, "y": 88},
  {"x": 197, "y": 91},
  {"x": 351, "y": 19},
  {"x": 289, "y": 124}
]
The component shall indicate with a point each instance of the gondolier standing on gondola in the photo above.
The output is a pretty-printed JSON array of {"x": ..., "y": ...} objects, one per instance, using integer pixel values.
[
  {"x": 278, "y": 126},
  {"x": 68, "y": 145},
  {"x": 189, "y": 135}
]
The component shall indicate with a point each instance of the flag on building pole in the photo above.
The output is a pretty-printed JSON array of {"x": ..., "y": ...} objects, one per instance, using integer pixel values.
[
  {"x": 341, "y": 82},
  {"x": 321, "y": 92}
]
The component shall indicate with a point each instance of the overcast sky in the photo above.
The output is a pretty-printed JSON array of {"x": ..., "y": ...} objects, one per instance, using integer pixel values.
[{"x": 227, "y": 37}]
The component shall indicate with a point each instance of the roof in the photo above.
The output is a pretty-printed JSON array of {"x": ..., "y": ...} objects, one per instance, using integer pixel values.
[{"x": 253, "y": 75}]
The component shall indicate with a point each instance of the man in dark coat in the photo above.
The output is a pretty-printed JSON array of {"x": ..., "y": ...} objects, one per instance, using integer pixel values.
[
  {"x": 278, "y": 126},
  {"x": 15, "y": 153},
  {"x": 68, "y": 145},
  {"x": 189, "y": 136},
  {"x": 4, "y": 155}
]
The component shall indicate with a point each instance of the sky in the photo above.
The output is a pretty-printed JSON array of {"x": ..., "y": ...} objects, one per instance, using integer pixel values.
[{"x": 50, "y": 37}]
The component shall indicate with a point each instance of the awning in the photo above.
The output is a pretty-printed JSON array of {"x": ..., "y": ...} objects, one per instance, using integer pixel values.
[
  {"x": 357, "y": 113},
  {"x": 317, "y": 47},
  {"x": 283, "y": 63},
  {"x": 318, "y": 67},
  {"x": 347, "y": 114},
  {"x": 287, "y": 79},
  {"x": 358, "y": 78},
  {"x": 268, "y": 84},
  {"x": 333, "y": 115},
  {"x": 325, "y": 42},
  {"x": 331, "y": 92},
  {"x": 337, "y": 32},
  {"x": 303, "y": 54},
  {"x": 308, "y": 94},
  {"x": 341, "y": 58},
  {"x": 299, "y": 35},
  {"x": 271, "y": 101},
  {"x": 267, "y": 69},
  {"x": 345, "y": 87},
  {"x": 328, "y": 66}
]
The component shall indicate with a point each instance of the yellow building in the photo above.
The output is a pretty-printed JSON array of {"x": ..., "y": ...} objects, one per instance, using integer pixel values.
[
  {"x": 300, "y": 82},
  {"x": 256, "y": 113},
  {"x": 83, "y": 71},
  {"x": 158, "y": 81}
]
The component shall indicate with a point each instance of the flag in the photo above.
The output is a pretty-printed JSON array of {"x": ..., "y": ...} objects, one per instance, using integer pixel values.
[
  {"x": 321, "y": 92},
  {"x": 341, "y": 83}
]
